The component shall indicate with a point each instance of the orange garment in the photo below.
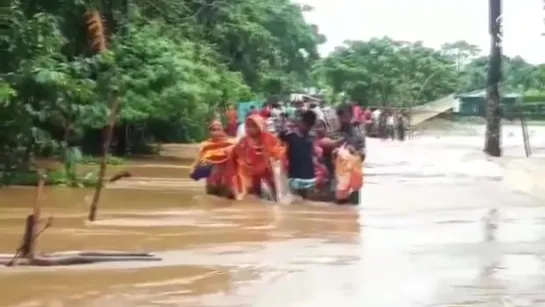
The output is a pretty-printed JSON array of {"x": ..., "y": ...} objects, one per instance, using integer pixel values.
[
  {"x": 215, "y": 152},
  {"x": 232, "y": 121},
  {"x": 251, "y": 159},
  {"x": 348, "y": 173}
]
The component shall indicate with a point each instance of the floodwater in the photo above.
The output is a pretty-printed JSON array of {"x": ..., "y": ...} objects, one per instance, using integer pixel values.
[{"x": 424, "y": 235}]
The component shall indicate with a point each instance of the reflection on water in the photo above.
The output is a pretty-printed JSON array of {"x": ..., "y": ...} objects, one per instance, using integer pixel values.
[{"x": 423, "y": 236}]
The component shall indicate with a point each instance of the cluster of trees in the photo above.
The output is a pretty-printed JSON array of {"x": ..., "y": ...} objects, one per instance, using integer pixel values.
[
  {"x": 383, "y": 71},
  {"x": 169, "y": 63}
]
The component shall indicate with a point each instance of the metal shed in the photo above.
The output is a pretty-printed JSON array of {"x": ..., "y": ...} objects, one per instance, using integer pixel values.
[{"x": 474, "y": 103}]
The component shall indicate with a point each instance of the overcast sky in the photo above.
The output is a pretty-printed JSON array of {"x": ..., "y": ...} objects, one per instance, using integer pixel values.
[{"x": 432, "y": 21}]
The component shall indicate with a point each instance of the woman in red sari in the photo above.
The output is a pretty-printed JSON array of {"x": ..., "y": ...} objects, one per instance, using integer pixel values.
[
  {"x": 212, "y": 161},
  {"x": 252, "y": 156}
]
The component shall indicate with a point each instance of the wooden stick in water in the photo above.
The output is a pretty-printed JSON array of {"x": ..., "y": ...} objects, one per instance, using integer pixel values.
[
  {"x": 36, "y": 212},
  {"x": 105, "y": 149}
]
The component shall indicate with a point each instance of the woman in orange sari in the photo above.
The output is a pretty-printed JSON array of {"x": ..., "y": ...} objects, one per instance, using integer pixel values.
[
  {"x": 252, "y": 159},
  {"x": 348, "y": 175},
  {"x": 348, "y": 159},
  {"x": 212, "y": 161}
]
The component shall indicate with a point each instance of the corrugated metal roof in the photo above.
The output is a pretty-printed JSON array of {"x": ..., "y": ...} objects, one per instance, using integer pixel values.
[{"x": 482, "y": 93}]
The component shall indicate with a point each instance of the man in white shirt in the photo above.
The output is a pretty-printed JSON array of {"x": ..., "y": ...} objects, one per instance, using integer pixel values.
[
  {"x": 390, "y": 126},
  {"x": 376, "y": 115}
]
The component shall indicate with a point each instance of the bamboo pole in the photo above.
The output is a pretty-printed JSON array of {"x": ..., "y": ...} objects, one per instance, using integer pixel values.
[{"x": 114, "y": 107}]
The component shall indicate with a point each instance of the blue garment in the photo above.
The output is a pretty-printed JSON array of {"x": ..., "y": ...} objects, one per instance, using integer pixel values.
[
  {"x": 302, "y": 184},
  {"x": 244, "y": 108},
  {"x": 300, "y": 152},
  {"x": 201, "y": 171}
]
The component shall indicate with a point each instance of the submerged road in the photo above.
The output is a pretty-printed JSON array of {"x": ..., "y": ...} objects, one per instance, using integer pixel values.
[{"x": 438, "y": 225}]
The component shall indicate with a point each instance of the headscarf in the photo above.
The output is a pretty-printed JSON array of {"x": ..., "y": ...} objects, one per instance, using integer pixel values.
[
  {"x": 216, "y": 124},
  {"x": 269, "y": 143},
  {"x": 216, "y": 149},
  {"x": 258, "y": 120}
]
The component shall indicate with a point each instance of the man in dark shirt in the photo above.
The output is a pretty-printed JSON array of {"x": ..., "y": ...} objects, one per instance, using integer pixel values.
[{"x": 300, "y": 154}]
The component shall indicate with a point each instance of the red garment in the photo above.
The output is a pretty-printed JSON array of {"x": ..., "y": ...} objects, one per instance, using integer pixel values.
[
  {"x": 320, "y": 170},
  {"x": 358, "y": 113},
  {"x": 232, "y": 129},
  {"x": 367, "y": 115},
  {"x": 232, "y": 121},
  {"x": 252, "y": 158},
  {"x": 265, "y": 113}
]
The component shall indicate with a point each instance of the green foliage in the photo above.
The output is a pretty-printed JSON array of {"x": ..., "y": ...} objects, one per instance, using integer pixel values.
[
  {"x": 387, "y": 72},
  {"x": 383, "y": 71},
  {"x": 170, "y": 63},
  {"x": 52, "y": 177},
  {"x": 110, "y": 160},
  {"x": 518, "y": 75}
]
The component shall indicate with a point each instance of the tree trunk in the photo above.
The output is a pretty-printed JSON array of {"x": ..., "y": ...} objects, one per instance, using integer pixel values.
[
  {"x": 493, "y": 115},
  {"x": 114, "y": 107}
]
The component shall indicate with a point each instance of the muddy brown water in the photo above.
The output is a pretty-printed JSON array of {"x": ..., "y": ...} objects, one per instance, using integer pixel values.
[
  {"x": 161, "y": 212},
  {"x": 417, "y": 239}
]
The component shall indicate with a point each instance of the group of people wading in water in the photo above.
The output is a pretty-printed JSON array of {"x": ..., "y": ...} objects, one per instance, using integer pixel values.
[
  {"x": 385, "y": 123},
  {"x": 319, "y": 150}
]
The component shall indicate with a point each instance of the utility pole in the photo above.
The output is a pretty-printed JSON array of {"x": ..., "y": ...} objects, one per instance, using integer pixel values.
[{"x": 493, "y": 113}]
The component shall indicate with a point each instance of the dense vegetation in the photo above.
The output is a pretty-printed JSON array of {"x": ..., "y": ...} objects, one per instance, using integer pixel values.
[
  {"x": 395, "y": 73},
  {"x": 171, "y": 64}
]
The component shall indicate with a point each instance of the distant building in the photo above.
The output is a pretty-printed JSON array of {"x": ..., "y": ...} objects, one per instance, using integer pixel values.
[{"x": 474, "y": 103}]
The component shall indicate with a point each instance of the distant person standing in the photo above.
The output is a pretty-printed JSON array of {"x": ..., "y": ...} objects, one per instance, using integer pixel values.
[
  {"x": 368, "y": 119},
  {"x": 232, "y": 120},
  {"x": 390, "y": 126},
  {"x": 376, "y": 117},
  {"x": 367, "y": 115},
  {"x": 376, "y": 114},
  {"x": 401, "y": 127}
]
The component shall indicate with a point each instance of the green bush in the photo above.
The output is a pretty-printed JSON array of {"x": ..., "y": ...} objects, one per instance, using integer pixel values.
[
  {"x": 110, "y": 160},
  {"x": 52, "y": 177}
]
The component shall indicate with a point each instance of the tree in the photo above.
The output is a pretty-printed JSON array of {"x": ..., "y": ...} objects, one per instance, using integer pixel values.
[
  {"x": 387, "y": 72},
  {"x": 517, "y": 74},
  {"x": 172, "y": 62},
  {"x": 460, "y": 52}
]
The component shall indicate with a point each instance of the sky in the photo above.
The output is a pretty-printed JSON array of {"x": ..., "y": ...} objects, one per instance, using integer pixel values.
[{"x": 433, "y": 22}]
